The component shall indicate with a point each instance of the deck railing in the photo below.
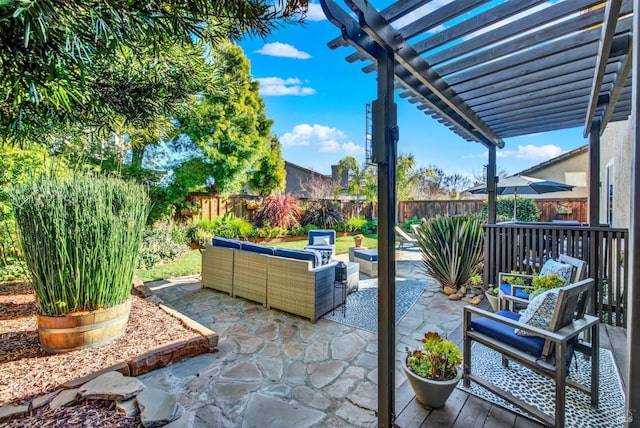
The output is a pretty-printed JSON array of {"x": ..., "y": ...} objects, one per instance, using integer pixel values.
[{"x": 525, "y": 247}]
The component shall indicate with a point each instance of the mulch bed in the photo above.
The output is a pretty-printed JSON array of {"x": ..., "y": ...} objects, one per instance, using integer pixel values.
[{"x": 27, "y": 371}]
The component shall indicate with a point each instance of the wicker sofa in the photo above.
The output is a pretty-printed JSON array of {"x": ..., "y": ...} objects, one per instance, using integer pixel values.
[{"x": 290, "y": 280}]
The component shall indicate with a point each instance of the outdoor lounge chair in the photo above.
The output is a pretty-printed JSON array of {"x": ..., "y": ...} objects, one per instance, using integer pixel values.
[
  {"x": 515, "y": 295},
  {"x": 404, "y": 238},
  {"x": 545, "y": 351},
  {"x": 324, "y": 241}
]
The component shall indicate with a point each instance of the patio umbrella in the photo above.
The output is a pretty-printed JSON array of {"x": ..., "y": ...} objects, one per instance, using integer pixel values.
[{"x": 523, "y": 185}]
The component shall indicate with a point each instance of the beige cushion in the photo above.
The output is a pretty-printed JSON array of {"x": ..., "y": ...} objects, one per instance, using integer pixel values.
[{"x": 321, "y": 240}]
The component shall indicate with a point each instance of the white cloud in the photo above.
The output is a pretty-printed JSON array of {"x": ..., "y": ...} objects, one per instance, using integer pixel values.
[
  {"x": 532, "y": 152},
  {"x": 282, "y": 50},
  {"x": 323, "y": 138},
  {"x": 329, "y": 146},
  {"x": 315, "y": 13},
  {"x": 352, "y": 149},
  {"x": 276, "y": 86},
  {"x": 505, "y": 153}
]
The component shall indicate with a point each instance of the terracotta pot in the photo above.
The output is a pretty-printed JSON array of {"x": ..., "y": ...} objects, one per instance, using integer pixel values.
[
  {"x": 431, "y": 393},
  {"x": 357, "y": 242},
  {"x": 83, "y": 330}
]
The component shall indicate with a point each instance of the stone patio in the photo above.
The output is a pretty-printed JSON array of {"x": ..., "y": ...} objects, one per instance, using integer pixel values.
[{"x": 275, "y": 369}]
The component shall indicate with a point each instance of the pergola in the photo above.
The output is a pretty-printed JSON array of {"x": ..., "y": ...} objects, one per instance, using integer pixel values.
[{"x": 490, "y": 70}]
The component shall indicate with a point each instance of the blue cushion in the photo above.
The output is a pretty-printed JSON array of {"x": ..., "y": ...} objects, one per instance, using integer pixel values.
[
  {"x": 309, "y": 255},
  {"x": 520, "y": 293},
  {"x": 255, "y": 248},
  {"x": 322, "y": 233},
  {"x": 369, "y": 255},
  {"x": 225, "y": 242},
  {"x": 505, "y": 333}
]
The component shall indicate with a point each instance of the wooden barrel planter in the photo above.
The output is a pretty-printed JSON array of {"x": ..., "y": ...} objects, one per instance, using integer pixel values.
[{"x": 83, "y": 330}]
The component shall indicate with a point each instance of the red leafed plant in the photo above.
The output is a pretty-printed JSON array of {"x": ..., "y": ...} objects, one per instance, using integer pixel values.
[{"x": 279, "y": 211}]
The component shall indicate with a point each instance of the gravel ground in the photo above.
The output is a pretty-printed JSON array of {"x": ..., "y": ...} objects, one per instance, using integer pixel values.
[{"x": 27, "y": 371}]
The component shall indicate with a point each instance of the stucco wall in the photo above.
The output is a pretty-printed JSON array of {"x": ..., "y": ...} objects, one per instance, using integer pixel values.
[
  {"x": 615, "y": 148},
  {"x": 573, "y": 170}
]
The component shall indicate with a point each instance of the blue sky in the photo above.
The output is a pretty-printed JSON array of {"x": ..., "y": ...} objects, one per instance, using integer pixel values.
[{"x": 317, "y": 101}]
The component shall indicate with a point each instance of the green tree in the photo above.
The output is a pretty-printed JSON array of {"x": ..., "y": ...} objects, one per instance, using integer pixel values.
[
  {"x": 357, "y": 177},
  {"x": 269, "y": 174},
  {"x": 47, "y": 48},
  {"x": 407, "y": 175},
  {"x": 231, "y": 134}
]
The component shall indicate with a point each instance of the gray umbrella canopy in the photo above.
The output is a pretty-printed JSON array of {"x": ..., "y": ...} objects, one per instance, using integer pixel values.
[{"x": 523, "y": 185}]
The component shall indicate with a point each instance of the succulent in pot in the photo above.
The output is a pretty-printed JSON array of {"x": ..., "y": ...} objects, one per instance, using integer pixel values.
[{"x": 434, "y": 370}]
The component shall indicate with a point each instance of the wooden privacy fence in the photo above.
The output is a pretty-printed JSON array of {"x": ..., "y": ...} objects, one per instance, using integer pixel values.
[
  {"x": 550, "y": 209},
  {"x": 212, "y": 206},
  {"x": 525, "y": 247}
]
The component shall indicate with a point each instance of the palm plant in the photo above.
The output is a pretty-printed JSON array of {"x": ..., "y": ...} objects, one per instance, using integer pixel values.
[
  {"x": 81, "y": 238},
  {"x": 452, "y": 248}
]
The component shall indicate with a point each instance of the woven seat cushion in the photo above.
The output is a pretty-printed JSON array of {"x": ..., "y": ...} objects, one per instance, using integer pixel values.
[
  {"x": 369, "y": 255},
  {"x": 520, "y": 293},
  {"x": 563, "y": 270},
  {"x": 506, "y": 334},
  {"x": 539, "y": 312}
]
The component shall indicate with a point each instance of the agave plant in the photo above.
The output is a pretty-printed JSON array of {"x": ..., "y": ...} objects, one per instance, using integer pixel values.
[
  {"x": 452, "y": 248},
  {"x": 81, "y": 238}
]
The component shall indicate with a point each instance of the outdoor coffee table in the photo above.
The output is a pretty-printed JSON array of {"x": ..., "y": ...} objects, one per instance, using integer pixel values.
[{"x": 368, "y": 261}]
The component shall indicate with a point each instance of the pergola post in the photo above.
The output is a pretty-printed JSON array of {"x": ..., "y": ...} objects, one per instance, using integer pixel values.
[
  {"x": 491, "y": 186},
  {"x": 385, "y": 136},
  {"x": 632, "y": 408},
  {"x": 594, "y": 174}
]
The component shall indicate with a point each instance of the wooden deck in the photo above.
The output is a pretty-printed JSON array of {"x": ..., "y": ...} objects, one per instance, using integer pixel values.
[{"x": 465, "y": 410}]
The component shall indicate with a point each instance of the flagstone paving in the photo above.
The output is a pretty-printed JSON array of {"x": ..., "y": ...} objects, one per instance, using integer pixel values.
[{"x": 274, "y": 369}]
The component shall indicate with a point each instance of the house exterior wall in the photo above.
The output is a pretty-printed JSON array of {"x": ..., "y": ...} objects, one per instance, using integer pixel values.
[
  {"x": 573, "y": 170},
  {"x": 298, "y": 177},
  {"x": 615, "y": 152}
]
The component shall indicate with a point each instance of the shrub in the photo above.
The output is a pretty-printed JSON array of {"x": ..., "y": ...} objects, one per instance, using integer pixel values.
[
  {"x": 13, "y": 268},
  {"x": 81, "y": 239},
  {"x": 452, "y": 248},
  {"x": 525, "y": 209},
  {"x": 161, "y": 243},
  {"x": 372, "y": 224},
  {"x": 267, "y": 231},
  {"x": 309, "y": 227},
  {"x": 406, "y": 226},
  {"x": 356, "y": 224},
  {"x": 322, "y": 213},
  {"x": 280, "y": 211},
  {"x": 226, "y": 226}
]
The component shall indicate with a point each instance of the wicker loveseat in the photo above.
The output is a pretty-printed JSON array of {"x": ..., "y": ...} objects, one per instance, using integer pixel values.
[{"x": 293, "y": 281}]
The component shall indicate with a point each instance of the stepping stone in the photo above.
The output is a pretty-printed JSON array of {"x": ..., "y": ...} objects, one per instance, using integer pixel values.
[
  {"x": 128, "y": 407},
  {"x": 64, "y": 398},
  {"x": 158, "y": 408},
  {"x": 43, "y": 400},
  {"x": 8, "y": 411},
  {"x": 111, "y": 386}
]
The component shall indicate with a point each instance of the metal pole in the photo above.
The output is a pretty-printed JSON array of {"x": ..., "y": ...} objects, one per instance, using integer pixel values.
[
  {"x": 632, "y": 408},
  {"x": 594, "y": 174},
  {"x": 385, "y": 137},
  {"x": 491, "y": 186}
]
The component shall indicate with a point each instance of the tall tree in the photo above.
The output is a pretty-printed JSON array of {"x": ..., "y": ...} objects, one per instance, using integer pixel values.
[
  {"x": 231, "y": 133},
  {"x": 47, "y": 47},
  {"x": 357, "y": 177},
  {"x": 269, "y": 174}
]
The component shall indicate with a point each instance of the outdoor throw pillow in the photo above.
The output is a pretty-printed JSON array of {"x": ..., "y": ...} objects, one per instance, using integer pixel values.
[
  {"x": 321, "y": 240},
  {"x": 539, "y": 312},
  {"x": 563, "y": 270}
]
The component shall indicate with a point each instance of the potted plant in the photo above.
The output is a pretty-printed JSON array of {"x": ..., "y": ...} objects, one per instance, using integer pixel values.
[
  {"x": 81, "y": 237},
  {"x": 434, "y": 370},
  {"x": 476, "y": 284},
  {"x": 492, "y": 296},
  {"x": 357, "y": 240},
  {"x": 542, "y": 283}
]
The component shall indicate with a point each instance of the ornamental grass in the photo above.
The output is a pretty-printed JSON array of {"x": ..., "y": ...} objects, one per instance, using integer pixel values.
[{"x": 80, "y": 237}]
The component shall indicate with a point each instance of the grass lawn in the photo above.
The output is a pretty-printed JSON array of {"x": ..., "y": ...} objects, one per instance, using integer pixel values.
[
  {"x": 187, "y": 264},
  {"x": 342, "y": 243}
]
